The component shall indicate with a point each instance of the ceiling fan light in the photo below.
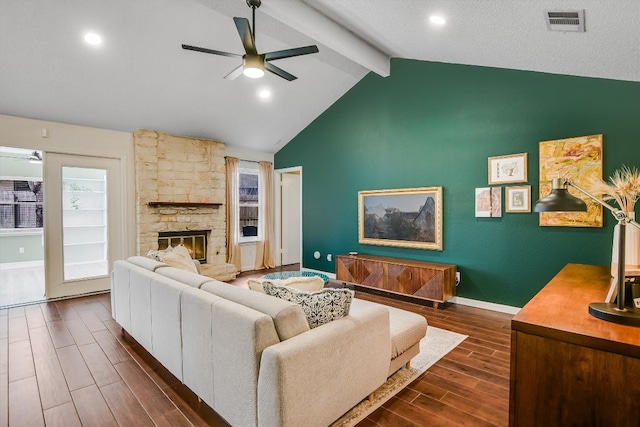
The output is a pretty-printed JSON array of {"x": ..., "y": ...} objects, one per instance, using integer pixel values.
[
  {"x": 253, "y": 66},
  {"x": 253, "y": 72}
]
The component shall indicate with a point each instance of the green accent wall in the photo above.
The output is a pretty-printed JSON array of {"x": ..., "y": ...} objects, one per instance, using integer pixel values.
[{"x": 435, "y": 124}]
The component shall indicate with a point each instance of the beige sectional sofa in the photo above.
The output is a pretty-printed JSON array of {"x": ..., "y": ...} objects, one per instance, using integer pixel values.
[{"x": 252, "y": 357}]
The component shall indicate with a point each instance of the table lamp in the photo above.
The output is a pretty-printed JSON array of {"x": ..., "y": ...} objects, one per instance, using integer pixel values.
[{"x": 560, "y": 200}]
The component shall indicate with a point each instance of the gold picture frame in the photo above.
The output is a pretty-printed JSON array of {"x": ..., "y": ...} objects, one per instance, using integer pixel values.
[
  {"x": 508, "y": 169},
  {"x": 580, "y": 160},
  {"x": 518, "y": 199},
  {"x": 409, "y": 218}
]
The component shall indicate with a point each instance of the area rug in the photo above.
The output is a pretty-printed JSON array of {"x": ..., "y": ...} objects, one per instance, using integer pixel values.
[{"x": 435, "y": 345}]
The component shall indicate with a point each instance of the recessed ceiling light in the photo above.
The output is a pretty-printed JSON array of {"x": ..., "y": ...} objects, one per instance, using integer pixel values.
[
  {"x": 437, "y": 19},
  {"x": 264, "y": 94},
  {"x": 93, "y": 39}
]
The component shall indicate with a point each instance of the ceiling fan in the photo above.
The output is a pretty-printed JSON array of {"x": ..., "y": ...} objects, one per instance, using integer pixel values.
[{"x": 253, "y": 63}]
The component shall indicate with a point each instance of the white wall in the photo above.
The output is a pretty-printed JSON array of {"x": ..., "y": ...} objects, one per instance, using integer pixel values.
[
  {"x": 79, "y": 140},
  {"x": 246, "y": 154},
  {"x": 71, "y": 139}
]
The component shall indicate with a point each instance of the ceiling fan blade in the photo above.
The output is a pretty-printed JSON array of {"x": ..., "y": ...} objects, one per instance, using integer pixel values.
[
  {"x": 244, "y": 30},
  {"x": 235, "y": 73},
  {"x": 278, "y": 71},
  {"x": 288, "y": 53},
  {"x": 205, "y": 50}
]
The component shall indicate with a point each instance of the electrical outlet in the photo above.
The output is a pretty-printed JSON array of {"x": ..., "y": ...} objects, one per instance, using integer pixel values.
[
  {"x": 21, "y": 250},
  {"x": 457, "y": 278}
]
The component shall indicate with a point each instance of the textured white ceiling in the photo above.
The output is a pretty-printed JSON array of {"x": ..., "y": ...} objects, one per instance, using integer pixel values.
[
  {"x": 141, "y": 78},
  {"x": 505, "y": 34}
]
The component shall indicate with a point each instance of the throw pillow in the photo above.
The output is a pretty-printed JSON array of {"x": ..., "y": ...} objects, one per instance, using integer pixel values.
[
  {"x": 311, "y": 283},
  {"x": 178, "y": 257},
  {"x": 157, "y": 255},
  {"x": 320, "y": 307}
]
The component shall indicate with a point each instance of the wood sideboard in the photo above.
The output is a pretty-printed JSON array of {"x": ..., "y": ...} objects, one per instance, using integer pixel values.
[
  {"x": 425, "y": 280},
  {"x": 569, "y": 368}
]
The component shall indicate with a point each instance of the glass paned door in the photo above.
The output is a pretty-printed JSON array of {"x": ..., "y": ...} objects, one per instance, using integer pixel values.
[
  {"x": 84, "y": 218},
  {"x": 84, "y": 222}
]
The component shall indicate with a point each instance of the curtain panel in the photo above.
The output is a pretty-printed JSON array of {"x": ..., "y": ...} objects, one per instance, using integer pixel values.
[
  {"x": 232, "y": 213},
  {"x": 265, "y": 257}
]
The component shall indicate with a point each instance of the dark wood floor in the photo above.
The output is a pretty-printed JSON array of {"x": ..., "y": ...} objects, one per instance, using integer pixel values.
[{"x": 67, "y": 363}]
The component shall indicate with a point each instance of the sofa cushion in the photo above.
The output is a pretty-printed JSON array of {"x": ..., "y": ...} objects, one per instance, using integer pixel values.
[
  {"x": 186, "y": 277},
  {"x": 288, "y": 318},
  {"x": 406, "y": 328},
  {"x": 166, "y": 333},
  {"x": 320, "y": 307},
  {"x": 308, "y": 283},
  {"x": 146, "y": 263}
]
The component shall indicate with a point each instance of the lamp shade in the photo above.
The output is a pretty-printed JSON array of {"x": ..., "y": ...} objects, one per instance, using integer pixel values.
[{"x": 560, "y": 200}]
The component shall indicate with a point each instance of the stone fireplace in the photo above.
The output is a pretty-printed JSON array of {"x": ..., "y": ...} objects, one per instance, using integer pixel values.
[{"x": 180, "y": 188}]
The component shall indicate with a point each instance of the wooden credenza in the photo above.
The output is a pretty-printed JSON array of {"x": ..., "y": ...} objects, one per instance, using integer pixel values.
[
  {"x": 569, "y": 368},
  {"x": 426, "y": 280}
]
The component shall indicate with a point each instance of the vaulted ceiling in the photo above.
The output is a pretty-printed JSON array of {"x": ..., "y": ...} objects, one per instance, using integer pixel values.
[{"x": 140, "y": 77}]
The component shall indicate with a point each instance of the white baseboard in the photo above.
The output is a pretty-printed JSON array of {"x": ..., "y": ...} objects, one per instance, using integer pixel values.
[
  {"x": 23, "y": 264},
  {"x": 485, "y": 305},
  {"x": 501, "y": 308}
]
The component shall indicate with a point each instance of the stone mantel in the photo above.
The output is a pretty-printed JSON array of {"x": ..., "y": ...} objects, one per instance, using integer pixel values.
[{"x": 185, "y": 204}]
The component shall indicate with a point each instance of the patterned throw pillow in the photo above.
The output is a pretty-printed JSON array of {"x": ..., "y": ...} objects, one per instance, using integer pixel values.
[
  {"x": 320, "y": 307},
  {"x": 309, "y": 283}
]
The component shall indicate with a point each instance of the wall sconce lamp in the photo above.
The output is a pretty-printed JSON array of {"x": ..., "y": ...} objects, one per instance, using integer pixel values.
[{"x": 560, "y": 200}]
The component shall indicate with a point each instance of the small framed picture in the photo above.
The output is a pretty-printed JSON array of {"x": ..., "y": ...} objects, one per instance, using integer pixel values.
[
  {"x": 483, "y": 202},
  {"x": 518, "y": 199},
  {"x": 489, "y": 202},
  {"x": 508, "y": 169}
]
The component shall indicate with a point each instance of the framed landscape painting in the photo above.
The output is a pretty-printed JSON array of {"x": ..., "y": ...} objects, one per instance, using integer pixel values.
[{"x": 409, "y": 217}]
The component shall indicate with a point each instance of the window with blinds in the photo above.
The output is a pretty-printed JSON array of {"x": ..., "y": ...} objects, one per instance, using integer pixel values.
[
  {"x": 21, "y": 204},
  {"x": 249, "y": 199}
]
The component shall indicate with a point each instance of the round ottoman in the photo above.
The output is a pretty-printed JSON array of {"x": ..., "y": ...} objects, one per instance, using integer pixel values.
[{"x": 287, "y": 274}]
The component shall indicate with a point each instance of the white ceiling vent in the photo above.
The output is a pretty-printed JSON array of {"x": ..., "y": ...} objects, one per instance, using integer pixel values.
[{"x": 564, "y": 20}]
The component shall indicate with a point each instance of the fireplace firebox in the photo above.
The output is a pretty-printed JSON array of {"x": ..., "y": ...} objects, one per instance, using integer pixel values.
[{"x": 194, "y": 241}]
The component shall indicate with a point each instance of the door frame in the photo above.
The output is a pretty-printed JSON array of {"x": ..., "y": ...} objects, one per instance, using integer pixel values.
[
  {"x": 55, "y": 285},
  {"x": 278, "y": 211},
  {"x": 63, "y": 138}
]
